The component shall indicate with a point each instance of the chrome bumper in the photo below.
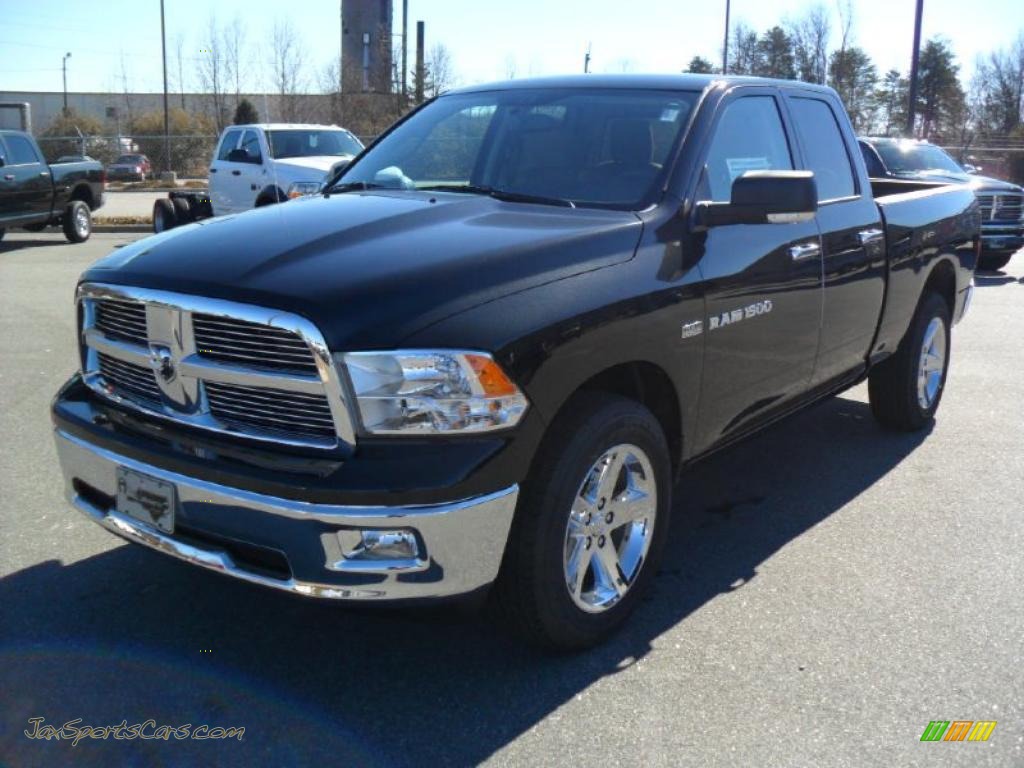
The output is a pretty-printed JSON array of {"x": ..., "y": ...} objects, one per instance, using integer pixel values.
[{"x": 461, "y": 543}]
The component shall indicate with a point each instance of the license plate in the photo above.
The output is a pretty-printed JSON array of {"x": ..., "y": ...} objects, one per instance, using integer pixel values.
[{"x": 146, "y": 499}]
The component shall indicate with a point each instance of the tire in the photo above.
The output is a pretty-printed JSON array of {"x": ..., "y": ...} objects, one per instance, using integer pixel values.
[
  {"x": 993, "y": 262},
  {"x": 270, "y": 197},
  {"x": 2, "y": 233},
  {"x": 533, "y": 587},
  {"x": 164, "y": 215},
  {"x": 77, "y": 222},
  {"x": 182, "y": 210},
  {"x": 899, "y": 399}
]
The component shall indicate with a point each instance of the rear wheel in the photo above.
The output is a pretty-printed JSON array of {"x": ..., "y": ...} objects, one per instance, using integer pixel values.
[
  {"x": 993, "y": 262},
  {"x": 590, "y": 526},
  {"x": 905, "y": 389},
  {"x": 182, "y": 210},
  {"x": 164, "y": 215},
  {"x": 77, "y": 222}
]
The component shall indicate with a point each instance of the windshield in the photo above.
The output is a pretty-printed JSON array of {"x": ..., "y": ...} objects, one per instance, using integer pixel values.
[
  {"x": 599, "y": 147},
  {"x": 130, "y": 159},
  {"x": 312, "y": 143},
  {"x": 911, "y": 157}
]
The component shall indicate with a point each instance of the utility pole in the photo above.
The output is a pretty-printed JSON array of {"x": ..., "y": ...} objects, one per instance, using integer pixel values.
[
  {"x": 405, "y": 46},
  {"x": 64, "y": 66},
  {"x": 167, "y": 129},
  {"x": 912, "y": 106},
  {"x": 420, "y": 71},
  {"x": 341, "y": 46},
  {"x": 586, "y": 60},
  {"x": 725, "y": 42}
]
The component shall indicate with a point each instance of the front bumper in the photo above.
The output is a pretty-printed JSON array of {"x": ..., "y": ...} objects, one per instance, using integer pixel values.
[
  {"x": 291, "y": 545},
  {"x": 1002, "y": 237}
]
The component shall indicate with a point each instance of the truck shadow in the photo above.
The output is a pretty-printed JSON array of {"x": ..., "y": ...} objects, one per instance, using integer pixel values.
[{"x": 128, "y": 634}]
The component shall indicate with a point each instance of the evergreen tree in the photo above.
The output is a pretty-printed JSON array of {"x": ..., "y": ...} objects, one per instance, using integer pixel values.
[
  {"x": 775, "y": 55},
  {"x": 940, "y": 98},
  {"x": 700, "y": 66},
  {"x": 854, "y": 77},
  {"x": 891, "y": 98},
  {"x": 245, "y": 113}
]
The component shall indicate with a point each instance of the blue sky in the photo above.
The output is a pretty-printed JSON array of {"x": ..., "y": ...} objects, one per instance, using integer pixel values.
[{"x": 539, "y": 36}]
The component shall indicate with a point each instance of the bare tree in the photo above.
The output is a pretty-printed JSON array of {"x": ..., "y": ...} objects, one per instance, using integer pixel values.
[
  {"x": 234, "y": 44},
  {"x": 179, "y": 43},
  {"x": 441, "y": 69},
  {"x": 809, "y": 35},
  {"x": 288, "y": 62},
  {"x": 510, "y": 66},
  {"x": 126, "y": 90},
  {"x": 212, "y": 72},
  {"x": 845, "y": 10}
]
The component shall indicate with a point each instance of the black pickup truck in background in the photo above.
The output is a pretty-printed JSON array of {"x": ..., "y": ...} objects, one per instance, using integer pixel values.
[
  {"x": 35, "y": 195},
  {"x": 1001, "y": 202},
  {"x": 482, "y": 355}
]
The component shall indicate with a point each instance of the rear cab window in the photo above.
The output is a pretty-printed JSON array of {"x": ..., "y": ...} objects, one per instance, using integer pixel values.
[
  {"x": 20, "y": 151},
  {"x": 824, "y": 148}
]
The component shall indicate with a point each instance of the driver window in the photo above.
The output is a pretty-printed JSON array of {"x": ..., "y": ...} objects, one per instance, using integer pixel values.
[
  {"x": 251, "y": 147},
  {"x": 749, "y": 137}
]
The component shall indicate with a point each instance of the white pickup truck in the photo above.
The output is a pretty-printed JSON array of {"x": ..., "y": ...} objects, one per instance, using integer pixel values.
[{"x": 256, "y": 165}]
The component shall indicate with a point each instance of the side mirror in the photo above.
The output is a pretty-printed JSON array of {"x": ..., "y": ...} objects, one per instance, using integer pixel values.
[
  {"x": 238, "y": 156},
  {"x": 764, "y": 197},
  {"x": 2, "y": 161}
]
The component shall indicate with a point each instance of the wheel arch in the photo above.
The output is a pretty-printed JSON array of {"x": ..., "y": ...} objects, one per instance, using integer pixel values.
[
  {"x": 942, "y": 280},
  {"x": 270, "y": 195},
  {"x": 647, "y": 383},
  {"x": 83, "y": 192}
]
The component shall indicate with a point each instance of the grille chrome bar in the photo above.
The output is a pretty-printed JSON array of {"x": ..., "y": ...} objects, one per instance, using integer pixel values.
[{"x": 281, "y": 388}]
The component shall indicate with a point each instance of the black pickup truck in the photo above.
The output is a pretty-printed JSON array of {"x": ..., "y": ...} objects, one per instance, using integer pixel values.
[
  {"x": 35, "y": 195},
  {"x": 482, "y": 354},
  {"x": 1001, "y": 202}
]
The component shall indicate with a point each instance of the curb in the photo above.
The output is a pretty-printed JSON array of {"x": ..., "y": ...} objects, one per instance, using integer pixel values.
[{"x": 136, "y": 228}]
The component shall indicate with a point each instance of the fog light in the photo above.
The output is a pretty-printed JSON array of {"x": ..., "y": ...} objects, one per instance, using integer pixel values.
[{"x": 385, "y": 545}]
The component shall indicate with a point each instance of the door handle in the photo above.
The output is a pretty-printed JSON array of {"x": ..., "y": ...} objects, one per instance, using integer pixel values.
[
  {"x": 44, "y": 173},
  {"x": 236, "y": 173},
  {"x": 804, "y": 251},
  {"x": 213, "y": 170},
  {"x": 870, "y": 235},
  {"x": 252, "y": 187}
]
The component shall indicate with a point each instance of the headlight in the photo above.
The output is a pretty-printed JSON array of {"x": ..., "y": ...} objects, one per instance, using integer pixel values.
[
  {"x": 432, "y": 392},
  {"x": 302, "y": 188}
]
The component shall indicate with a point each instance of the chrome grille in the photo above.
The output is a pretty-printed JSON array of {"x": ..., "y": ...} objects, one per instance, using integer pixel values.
[
  {"x": 271, "y": 409},
  {"x": 215, "y": 365},
  {"x": 122, "y": 320},
  {"x": 134, "y": 380},
  {"x": 1001, "y": 207},
  {"x": 233, "y": 340}
]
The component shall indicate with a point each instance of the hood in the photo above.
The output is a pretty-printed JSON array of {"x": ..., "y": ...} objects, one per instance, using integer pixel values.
[
  {"x": 322, "y": 163},
  {"x": 975, "y": 182},
  {"x": 371, "y": 268}
]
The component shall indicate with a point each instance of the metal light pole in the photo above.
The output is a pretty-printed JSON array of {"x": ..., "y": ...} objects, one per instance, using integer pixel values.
[
  {"x": 725, "y": 42},
  {"x": 586, "y": 61},
  {"x": 64, "y": 66},
  {"x": 912, "y": 106},
  {"x": 167, "y": 130}
]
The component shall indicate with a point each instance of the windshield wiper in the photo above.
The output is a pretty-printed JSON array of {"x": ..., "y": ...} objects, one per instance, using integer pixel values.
[{"x": 501, "y": 194}]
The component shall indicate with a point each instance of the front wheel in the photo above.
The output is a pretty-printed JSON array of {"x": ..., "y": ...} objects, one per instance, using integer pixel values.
[
  {"x": 590, "y": 526},
  {"x": 164, "y": 215},
  {"x": 993, "y": 262},
  {"x": 77, "y": 222},
  {"x": 905, "y": 389}
]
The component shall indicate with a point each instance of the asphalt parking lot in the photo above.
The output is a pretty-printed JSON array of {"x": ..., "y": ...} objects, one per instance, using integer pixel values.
[{"x": 828, "y": 590}]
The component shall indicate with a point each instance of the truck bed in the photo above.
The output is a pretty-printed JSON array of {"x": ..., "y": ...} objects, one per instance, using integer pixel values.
[{"x": 922, "y": 219}]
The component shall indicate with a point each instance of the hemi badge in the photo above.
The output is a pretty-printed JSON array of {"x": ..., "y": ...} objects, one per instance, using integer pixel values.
[{"x": 696, "y": 328}]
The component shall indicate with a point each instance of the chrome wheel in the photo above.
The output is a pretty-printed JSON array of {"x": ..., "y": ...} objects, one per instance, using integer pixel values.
[
  {"x": 610, "y": 528},
  {"x": 82, "y": 221},
  {"x": 932, "y": 364}
]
